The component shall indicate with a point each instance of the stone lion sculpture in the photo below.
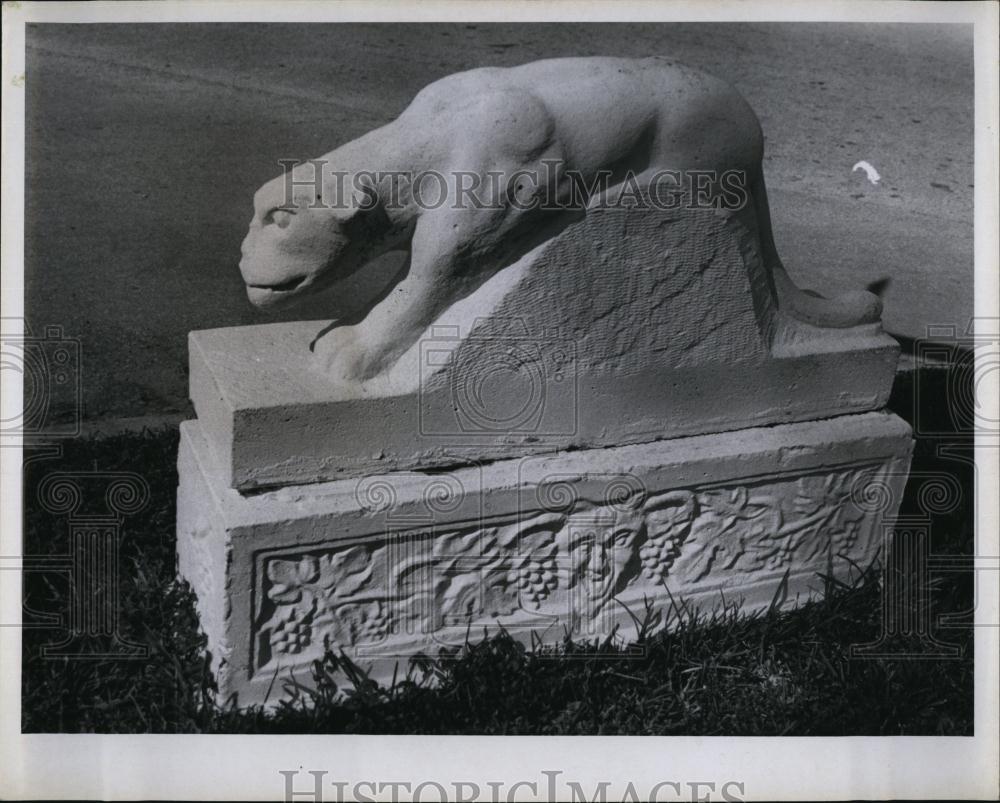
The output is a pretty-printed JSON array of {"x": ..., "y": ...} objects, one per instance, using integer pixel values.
[{"x": 540, "y": 130}]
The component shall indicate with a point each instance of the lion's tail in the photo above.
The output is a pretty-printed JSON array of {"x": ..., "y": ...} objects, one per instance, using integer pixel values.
[{"x": 849, "y": 309}]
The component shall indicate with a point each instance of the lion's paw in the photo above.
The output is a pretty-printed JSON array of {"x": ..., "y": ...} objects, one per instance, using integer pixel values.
[
  {"x": 348, "y": 358},
  {"x": 341, "y": 356}
]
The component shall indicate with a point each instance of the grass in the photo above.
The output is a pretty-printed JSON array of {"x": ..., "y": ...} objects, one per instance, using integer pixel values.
[{"x": 728, "y": 674}]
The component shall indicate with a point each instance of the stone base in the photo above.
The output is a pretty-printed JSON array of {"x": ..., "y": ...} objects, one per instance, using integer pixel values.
[{"x": 387, "y": 566}]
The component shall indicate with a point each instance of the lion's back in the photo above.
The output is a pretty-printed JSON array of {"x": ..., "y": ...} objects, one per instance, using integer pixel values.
[{"x": 595, "y": 105}]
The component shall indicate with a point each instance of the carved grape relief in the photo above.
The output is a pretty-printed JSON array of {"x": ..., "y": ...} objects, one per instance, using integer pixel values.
[{"x": 572, "y": 560}]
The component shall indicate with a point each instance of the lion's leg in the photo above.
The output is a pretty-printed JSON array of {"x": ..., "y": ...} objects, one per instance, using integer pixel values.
[{"x": 435, "y": 280}]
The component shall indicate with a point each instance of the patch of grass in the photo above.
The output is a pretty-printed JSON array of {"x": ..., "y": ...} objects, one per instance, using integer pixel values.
[
  {"x": 726, "y": 674},
  {"x": 162, "y": 692}
]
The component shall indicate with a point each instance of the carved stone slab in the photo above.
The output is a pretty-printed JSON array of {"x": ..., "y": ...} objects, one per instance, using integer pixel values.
[
  {"x": 387, "y": 566},
  {"x": 629, "y": 326}
]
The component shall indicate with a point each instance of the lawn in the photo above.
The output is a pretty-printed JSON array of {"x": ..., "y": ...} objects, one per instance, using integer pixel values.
[{"x": 727, "y": 674}]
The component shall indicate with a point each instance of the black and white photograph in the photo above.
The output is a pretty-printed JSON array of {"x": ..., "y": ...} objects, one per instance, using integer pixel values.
[{"x": 378, "y": 378}]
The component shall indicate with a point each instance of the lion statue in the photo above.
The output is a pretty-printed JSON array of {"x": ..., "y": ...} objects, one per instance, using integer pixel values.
[{"x": 537, "y": 131}]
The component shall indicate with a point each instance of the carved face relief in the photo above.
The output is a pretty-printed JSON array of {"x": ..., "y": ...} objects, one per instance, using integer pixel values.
[
  {"x": 602, "y": 556},
  {"x": 292, "y": 248}
]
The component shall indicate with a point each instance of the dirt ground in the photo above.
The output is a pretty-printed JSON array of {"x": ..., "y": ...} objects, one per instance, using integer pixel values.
[{"x": 145, "y": 144}]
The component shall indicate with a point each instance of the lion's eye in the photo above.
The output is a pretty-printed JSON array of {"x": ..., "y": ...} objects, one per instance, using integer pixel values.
[{"x": 280, "y": 217}]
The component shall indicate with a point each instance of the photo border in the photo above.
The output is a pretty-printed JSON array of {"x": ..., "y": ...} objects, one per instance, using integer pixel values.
[{"x": 247, "y": 767}]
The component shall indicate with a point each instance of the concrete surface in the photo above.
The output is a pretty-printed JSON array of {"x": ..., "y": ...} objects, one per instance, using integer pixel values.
[{"x": 145, "y": 145}]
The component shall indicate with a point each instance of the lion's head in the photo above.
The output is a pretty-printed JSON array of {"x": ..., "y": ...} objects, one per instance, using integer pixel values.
[{"x": 299, "y": 244}]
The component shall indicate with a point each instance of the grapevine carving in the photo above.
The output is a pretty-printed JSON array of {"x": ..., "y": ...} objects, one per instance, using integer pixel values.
[{"x": 568, "y": 558}]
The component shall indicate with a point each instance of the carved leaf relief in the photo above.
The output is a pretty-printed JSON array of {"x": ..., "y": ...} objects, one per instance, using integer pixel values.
[{"x": 575, "y": 560}]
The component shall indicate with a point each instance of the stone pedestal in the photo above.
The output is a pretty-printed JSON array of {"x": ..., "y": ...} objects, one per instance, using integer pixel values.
[
  {"x": 625, "y": 416},
  {"x": 385, "y": 566}
]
